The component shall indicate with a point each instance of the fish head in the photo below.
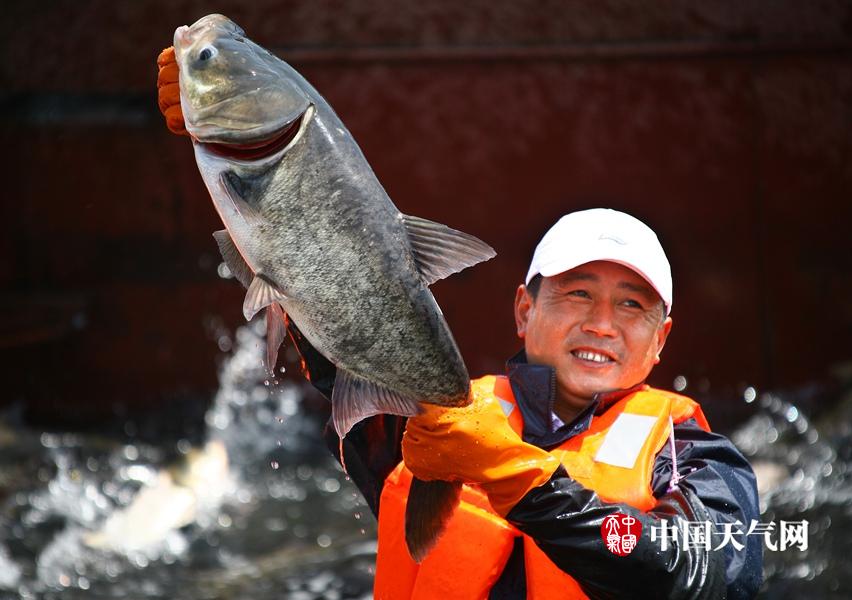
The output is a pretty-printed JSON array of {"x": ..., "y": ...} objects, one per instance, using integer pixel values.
[{"x": 234, "y": 92}]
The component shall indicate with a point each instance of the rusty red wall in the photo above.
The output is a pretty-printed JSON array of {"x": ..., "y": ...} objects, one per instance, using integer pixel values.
[{"x": 725, "y": 126}]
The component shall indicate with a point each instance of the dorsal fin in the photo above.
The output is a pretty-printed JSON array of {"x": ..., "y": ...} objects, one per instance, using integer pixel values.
[
  {"x": 261, "y": 293},
  {"x": 439, "y": 251},
  {"x": 232, "y": 257}
]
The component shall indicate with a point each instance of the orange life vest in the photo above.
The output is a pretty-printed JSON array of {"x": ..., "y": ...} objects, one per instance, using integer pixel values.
[{"x": 471, "y": 554}]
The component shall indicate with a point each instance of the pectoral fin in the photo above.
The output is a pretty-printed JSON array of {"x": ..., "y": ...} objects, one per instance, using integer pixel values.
[
  {"x": 261, "y": 293},
  {"x": 440, "y": 251},
  {"x": 231, "y": 185},
  {"x": 275, "y": 333},
  {"x": 232, "y": 257},
  {"x": 355, "y": 398}
]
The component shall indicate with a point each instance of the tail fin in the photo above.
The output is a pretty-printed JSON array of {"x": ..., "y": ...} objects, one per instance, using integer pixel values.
[{"x": 430, "y": 505}]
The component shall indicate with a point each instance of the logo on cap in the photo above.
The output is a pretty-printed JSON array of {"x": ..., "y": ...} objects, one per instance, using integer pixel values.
[{"x": 606, "y": 236}]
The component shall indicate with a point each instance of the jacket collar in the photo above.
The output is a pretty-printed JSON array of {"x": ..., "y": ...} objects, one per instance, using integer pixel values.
[{"x": 534, "y": 387}]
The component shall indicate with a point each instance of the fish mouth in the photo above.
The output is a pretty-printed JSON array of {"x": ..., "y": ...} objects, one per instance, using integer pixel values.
[{"x": 262, "y": 147}]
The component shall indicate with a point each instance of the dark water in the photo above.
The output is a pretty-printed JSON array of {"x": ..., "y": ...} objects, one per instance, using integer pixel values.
[
  {"x": 804, "y": 473},
  {"x": 261, "y": 510}
]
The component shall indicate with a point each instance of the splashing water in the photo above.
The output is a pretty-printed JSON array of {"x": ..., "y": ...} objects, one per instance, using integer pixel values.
[{"x": 86, "y": 517}]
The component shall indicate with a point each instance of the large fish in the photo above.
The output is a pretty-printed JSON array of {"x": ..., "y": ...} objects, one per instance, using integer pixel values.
[{"x": 310, "y": 232}]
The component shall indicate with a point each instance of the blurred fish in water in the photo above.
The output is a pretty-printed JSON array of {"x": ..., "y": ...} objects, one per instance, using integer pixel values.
[
  {"x": 311, "y": 233},
  {"x": 175, "y": 498}
]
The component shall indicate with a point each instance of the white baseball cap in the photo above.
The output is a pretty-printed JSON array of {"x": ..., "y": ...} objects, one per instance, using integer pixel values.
[{"x": 603, "y": 234}]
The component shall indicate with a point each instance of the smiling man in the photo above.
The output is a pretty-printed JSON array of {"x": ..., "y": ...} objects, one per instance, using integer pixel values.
[
  {"x": 595, "y": 305},
  {"x": 600, "y": 325},
  {"x": 574, "y": 452},
  {"x": 580, "y": 479}
]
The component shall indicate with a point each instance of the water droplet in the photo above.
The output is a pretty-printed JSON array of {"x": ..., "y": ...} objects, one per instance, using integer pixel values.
[
  {"x": 358, "y": 515},
  {"x": 131, "y": 452},
  {"x": 274, "y": 464},
  {"x": 679, "y": 383},
  {"x": 280, "y": 419},
  {"x": 323, "y": 541},
  {"x": 223, "y": 271},
  {"x": 749, "y": 394}
]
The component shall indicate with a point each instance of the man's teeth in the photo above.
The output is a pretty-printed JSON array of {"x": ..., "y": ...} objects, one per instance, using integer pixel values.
[{"x": 593, "y": 356}]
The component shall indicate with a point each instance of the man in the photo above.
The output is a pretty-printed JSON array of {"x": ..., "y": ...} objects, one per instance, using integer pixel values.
[{"x": 577, "y": 470}]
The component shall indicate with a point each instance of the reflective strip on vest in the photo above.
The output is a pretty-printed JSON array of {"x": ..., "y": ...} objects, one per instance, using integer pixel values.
[{"x": 469, "y": 557}]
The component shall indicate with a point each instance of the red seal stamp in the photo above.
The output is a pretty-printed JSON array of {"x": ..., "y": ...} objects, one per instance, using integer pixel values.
[{"x": 620, "y": 533}]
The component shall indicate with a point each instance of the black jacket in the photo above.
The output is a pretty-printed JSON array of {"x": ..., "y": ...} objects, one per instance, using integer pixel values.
[{"x": 565, "y": 518}]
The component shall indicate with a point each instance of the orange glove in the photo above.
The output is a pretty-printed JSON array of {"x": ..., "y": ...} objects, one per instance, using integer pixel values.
[
  {"x": 475, "y": 444},
  {"x": 168, "y": 91}
]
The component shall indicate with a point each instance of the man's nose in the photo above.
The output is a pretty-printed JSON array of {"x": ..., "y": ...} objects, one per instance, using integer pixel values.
[{"x": 600, "y": 320}]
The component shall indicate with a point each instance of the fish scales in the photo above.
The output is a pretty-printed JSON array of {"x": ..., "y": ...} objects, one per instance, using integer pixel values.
[
  {"x": 348, "y": 257},
  {"x": 311, "y": 233}
]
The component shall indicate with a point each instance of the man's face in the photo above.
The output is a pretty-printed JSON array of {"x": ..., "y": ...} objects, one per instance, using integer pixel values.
[{"x": 599, "y": 325}]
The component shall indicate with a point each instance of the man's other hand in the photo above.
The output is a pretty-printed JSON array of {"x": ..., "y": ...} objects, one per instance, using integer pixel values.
[
  {"x": 168, "y": 91},
  {"x": 475, "y": 444}
]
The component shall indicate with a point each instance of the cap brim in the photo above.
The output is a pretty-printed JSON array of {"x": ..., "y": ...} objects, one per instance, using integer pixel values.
[{"x": 556, "y": 267}]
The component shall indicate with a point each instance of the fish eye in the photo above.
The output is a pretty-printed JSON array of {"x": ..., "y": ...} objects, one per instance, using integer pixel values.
[{"x": 207, "y": 53}]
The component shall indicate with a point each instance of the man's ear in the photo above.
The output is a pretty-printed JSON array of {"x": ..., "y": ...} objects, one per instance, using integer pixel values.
[
  {"x": 662, "y": 336},
  {"x": 523, "y": 306}
]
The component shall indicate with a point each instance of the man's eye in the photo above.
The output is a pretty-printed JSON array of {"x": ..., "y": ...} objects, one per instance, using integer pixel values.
[
  {"x": 632, "y": 304},
  {"x": 579, "y": 293}
]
